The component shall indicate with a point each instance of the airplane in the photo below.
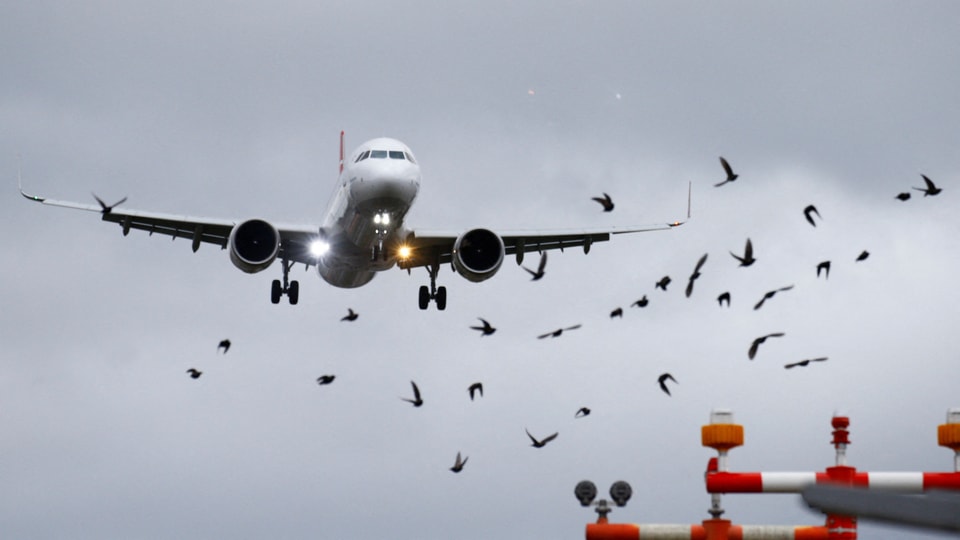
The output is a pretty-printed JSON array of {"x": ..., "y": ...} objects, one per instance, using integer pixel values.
[{"x": 362, "y": 232}]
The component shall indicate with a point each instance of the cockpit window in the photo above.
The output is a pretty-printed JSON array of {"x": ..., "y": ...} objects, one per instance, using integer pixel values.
[
  {"x": 396, "y": 154},
  {"x": 363, "y": 156},
  {"x": 409, "y": 157},
  {"x": 378, "y": 154}
]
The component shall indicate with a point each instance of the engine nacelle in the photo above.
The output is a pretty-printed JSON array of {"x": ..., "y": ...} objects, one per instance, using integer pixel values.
[
  {"x": 478, "y": 254},
  {"x": 254, "y": 245}
]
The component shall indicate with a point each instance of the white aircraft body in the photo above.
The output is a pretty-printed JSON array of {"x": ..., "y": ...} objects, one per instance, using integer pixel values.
[{"x": 362, "y": 232}]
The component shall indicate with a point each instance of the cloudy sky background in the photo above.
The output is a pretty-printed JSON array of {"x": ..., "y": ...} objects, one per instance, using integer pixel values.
[{"x": 518, "y": 115}]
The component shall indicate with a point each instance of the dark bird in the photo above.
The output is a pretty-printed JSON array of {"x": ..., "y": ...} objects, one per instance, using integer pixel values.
[
  {"x": 617, "y": 313},
  {"x": 605, "y": 201},
  {"x": 931, "y": 189},
  {"x": 863, "y": 255},
  {"x": 747, "y": 258},
  {"x": 325, "y": 379},
  {"x": 486, "y": 329},
  {"x": 903, "y": 196},
  {"x": 581, "y": 412},
  {"x": 803, "y": 363},
  {"x": 225, "y": 345},
  {"x": 540, "y": 269},
  {"x": 542, "y": 443},
  {"x": 558, "y": 332},
  {"x": 808, "y": 213},
  {"x": 458, "y": 464},
  {"x": 724, "y": 297},
  {"x": 194, "y": 373},
  {"x": 729, "y": 170},
  {"x": 770, "y": 294},
  {"x": 756, "y": 343},
  {"x": 825, "y": 266},
  {"x": 641, "y": 302},
  {"x": 662, "y": 379},
  {"x": 416, "y": 396},
  {"x": 106, "y": 209},
  {"x": 475, "y": 387},
  {"x": 350, "y": 316},
  {"x": 695, "y": 274},
  {"x": 664, "y": 281}
]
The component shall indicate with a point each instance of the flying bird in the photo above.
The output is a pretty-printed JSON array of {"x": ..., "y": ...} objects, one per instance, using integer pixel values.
[
  {"x": 325, "y": 379},
  {"x": 225, "y": 345},
  {"x": 416, "y": 401},
  {"x": 803, "y": 363},
  {"x": 641, "y": 302},
  {"x": 903, "y": 196},
  {"x": 695, "y": 274},
  {"x": 617, "y": 313},
  {"x": 756, "y": 343},
  {"x": 769, "y": 294},
  {"x": 863, "y": 255},
  {"x": 825, "y": 266},
  {"x": 541, "y": 443},
  {"x": 605, "y": 201},
  {"x": 558, "y": 332},
  {"x": 458, "y": 464},
  {"x": 106, "y": 209},
  {"x": 747, "y": 258},
  {"x": 581, "y": 412},
  {"x": 540, "y": 269},
  {"x": 662, "y": 379},
  {"x": 350, "y": 316},
  {"x": 931, "y": 189},
  {"x": 729, "y": 170},
  {"x": 724, "y": 297},
  {"x": 808, "y": 213},
  {"x": 475, "y": 387},
  {"x": 486, "y": 329},
  {"x": 194, "y": 373},
  {"x": 664, "y": 281}
]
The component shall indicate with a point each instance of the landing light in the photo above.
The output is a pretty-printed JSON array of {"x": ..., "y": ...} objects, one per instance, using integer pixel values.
[
  {"x": 318, "y": 248},
  {"x": 404, "y": 252}
]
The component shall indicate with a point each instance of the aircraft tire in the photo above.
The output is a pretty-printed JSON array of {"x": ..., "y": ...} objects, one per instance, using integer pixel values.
[
  {"x": 275, "y": 291},
  {"x": 424, "y": 297},
  {"x": 293, "y": 294},
  {"x": 441, "y": 298}
]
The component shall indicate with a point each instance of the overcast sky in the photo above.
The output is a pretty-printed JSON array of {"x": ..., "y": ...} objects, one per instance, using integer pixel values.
[{"x": 518, "y": 116}]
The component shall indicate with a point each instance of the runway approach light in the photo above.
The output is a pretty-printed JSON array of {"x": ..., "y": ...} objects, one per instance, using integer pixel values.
[
  {"x": 318, "y": 248},
  {"x": 586, "y": 492}
]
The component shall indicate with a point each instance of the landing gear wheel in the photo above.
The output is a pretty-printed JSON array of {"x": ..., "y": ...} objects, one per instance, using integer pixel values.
[
  {"x": 293, "y": 293},
  {"x": 424, "y": 297},
  {"x": 441, "y": 298},
  {"x": 275, "y": 291}
]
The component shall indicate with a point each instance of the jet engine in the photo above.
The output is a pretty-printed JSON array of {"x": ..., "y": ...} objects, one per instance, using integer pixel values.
[
  {"x": 254, "y": 245},
  {"x": 478, "y": 254}
]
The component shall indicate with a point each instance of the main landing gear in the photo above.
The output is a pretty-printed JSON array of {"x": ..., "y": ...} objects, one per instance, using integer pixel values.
[
  {"x": 439, "y": 294},
  {"x": 289, "y": 288}
]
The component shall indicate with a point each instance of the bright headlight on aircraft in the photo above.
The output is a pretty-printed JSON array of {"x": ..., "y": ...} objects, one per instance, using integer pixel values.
[
  {"x": 385, "y": 218},
  {"x": 376, "y": 219},
  {"x": 404, "y": 252},
  {"x": 319, "y": 248}
]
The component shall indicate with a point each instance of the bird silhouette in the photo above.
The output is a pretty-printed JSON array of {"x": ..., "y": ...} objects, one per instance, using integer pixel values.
[
  {"x": 617, "y": 313},
  {"x": 903, "y": 196},
  {"x": 325, "y": 379},
  {"x": 695, "y": 274},
  {"x": 350, "y": 316},
  {"x": 486, "y": 329},
  {"x": 747, "y": 258},
  {"x": 662, "y": 284},
  {"x": 194, "y": 373},
  {"x": 641, "y": 302},
  {"x": 769, "y": 294},
  {"x": 825, "y": 266},
  {"x": 581, "y": 412},
  {"x": 729, "y": 170},
  {"x": 605, "y": 201},
  {"x": 863, "y": 255},
  {"x": 558, "y": 332},
  {"x": 803, "y": 363},
  {"x": 540, "y": 269},
  {"x": 225, "y": 345},
  {"x": 416, "y": 401},
  {"x": 662, "y": 379},
  {"x": 540, "y": 443},
  {"x": 475, "y": 387},
  {"x": 930, "y": 188},
  {"x": 104, "y": 207},
  {"x": 808, "y": 213},
  {"x": 756, "y": 343},
  {"x": 724, "y": 297},
  {"x": 458, "y": 464}
]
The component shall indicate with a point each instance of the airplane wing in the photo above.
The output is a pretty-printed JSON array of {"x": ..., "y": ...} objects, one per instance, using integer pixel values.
[
  {"x": 294, "y": 244},
  {"x": 939, "y": 510}
]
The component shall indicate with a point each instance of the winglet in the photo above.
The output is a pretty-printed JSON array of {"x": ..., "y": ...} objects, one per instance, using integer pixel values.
[
  {"x": 689, "y": 196},
  {"x": 20, "y": 182}
]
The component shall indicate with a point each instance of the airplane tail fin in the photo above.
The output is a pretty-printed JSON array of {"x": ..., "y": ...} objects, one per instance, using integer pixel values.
[{"x": 341, "y": 151}]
